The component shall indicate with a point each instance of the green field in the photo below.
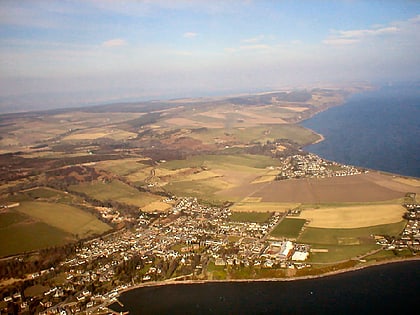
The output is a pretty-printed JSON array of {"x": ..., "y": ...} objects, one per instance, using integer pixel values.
[
  {"x": 340, "y": 253},
  {"x": 223, "y": 162},
  {"x": 49, "y": 193},
  {"x": 10, "y": 218},
  {"x": 115, "y": 191},
  {"x": 28, "y": 236},
  {"x": 201, "y": 189},
  {"x": 257, "y": 217},
  {"x": 64, "y": 217},
  {"x": 349, "y": 236},
  {"x": 289, "y": 228},
  {"x": 260, "y": 134},
  {"x": 122, "y": 167}
]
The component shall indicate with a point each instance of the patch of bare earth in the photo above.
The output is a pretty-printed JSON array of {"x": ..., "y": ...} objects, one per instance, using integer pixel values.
[{"x": 357, "y": 188}]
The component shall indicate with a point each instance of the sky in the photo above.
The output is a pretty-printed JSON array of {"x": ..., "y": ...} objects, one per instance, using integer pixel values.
[{"x": 72, "y": 53}]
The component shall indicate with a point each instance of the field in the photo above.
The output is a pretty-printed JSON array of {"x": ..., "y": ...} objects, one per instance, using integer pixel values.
[
  {"x": 289, "y": 228},
  {"x": 363, "y": 235},
  {"x": 260, "y": 134},
  {"x": 116, "y": 191},
  {"x": 219, "y": 161},
  {"x": 358, "y": 188},
  {"x": 97, "y": 133},
  {"x": 157, "y": 206},
  {"x": 249, "y": 206},
  {"x": 17, "y": 233},
  {"x": 337, "y": 254},
  {"x": 353, "y": 216},
  {"x": 258, "y": 217},
  {"x": 204, "y": 176},
  {"x": 64, "y": 217},
  {"x": 122, "y": 167}
]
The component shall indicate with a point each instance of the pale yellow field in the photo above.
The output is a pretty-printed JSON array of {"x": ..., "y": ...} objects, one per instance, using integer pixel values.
[
  {"x": 250, "y": 205},
  {"x": 201, "y": 175},
  {"x": 157, "y": 206},
  {"x": 263, "y": 179},
  {"x": 408, "y": 181},
  {"x": 191, "y": 123},
  {"x": 353, "y": 216},
  {"x": 296, "y": 109},
  {"x": 96, "y": 133}
]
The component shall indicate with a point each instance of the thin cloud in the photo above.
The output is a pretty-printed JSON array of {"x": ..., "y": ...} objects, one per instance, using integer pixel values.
[
  {"x": 354, "y": 36},
  {"x": 116, "y": 42},
  {"x": 253, "y": 39},
  {"x": 255, "y": 47},
  {"x": 190, "y": 35}
]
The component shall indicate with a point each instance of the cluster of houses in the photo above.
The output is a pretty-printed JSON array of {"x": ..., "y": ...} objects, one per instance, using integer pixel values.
[
  {"x": 312, "y": 166},
  {"x": 179, "y": 234},
  {"x": 410, "y": 236}
]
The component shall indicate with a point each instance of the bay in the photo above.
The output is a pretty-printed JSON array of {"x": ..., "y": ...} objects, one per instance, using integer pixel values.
[
  {"x": 376, "y": 129},
  {"x": 387, "y": 289}
]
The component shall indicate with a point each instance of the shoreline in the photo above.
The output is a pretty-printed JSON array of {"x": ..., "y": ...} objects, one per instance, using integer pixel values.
[{"x": 309, "y": 277}]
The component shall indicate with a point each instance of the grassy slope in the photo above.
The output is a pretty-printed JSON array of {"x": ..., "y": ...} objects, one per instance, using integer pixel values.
[
  {"x": 117, "y": 191},
  {"x": 64, "y": 217},
  {"x": 28, "y": 236}
]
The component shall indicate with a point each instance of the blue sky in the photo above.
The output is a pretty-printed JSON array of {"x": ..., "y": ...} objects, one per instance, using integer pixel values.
[{"x": 67, "y": 53}]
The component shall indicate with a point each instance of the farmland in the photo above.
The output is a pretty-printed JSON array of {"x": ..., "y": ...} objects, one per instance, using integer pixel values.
[
  {"x": 117, "y": 191},
  {"x": 112, "y": 190},
  {"x": 19, "y": 237},
  {"x": 288, "y": 228},
  {"x": 352, "y": 236},
  {"x": 353, "y": 216},
  {"x": 258, "y": 206},
  {"x": 64, "y": 217},
  {"x": 259, "y": 217},
  {"x": 361, "y": 188},
  {"x": 340, "y": 253}
]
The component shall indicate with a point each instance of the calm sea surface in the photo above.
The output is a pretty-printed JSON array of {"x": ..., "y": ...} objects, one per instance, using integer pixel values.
[
  {"x": 378, "y": 130},
  {"x": 386, "y": 289}
]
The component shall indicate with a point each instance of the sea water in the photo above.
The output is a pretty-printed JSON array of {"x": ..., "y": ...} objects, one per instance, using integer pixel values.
[{"x": 376, "y": 129}]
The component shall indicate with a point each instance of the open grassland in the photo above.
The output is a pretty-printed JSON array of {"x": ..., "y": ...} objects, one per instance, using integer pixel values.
[
  {"x": 289, "y": 228},
  {"x": 96, "y": 133},
  {"x": 363, "y": 235},
  {"x": 340, "y": 253},
  {"x": 258, "y": 217},
  {"x": 27, "y": 236},
  {"x": 50, "y": 194},
  {"x": 256, "y": 206},
  {"x": 16, "y": 136},
  {"x": 8, "y": 218},
  {"x": 353, "y": 216},
  {"x": 64, "y": 217},
  {"x": 202, "y": 189},
  {"x": 206, "y": 175},
  {"x": 122, "y": 167},
  {"x": 260, "y": 134},
  {"x": 239, "y": 162},
  {"x": 116, "y": 191}
]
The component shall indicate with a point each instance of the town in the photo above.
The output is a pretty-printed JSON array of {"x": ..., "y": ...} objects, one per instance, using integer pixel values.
[
  {"x": 184, "y": 243},
  {"x": 190, "y": 242},
  {"x": 312, "y": 166}
]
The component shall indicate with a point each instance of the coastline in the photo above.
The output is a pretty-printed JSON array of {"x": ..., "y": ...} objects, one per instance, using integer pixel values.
[{"x": 328, "y": 274}]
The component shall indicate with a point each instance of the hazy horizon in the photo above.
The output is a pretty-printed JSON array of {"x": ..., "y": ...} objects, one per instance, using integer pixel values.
[{"x": 73, "y": 53}]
